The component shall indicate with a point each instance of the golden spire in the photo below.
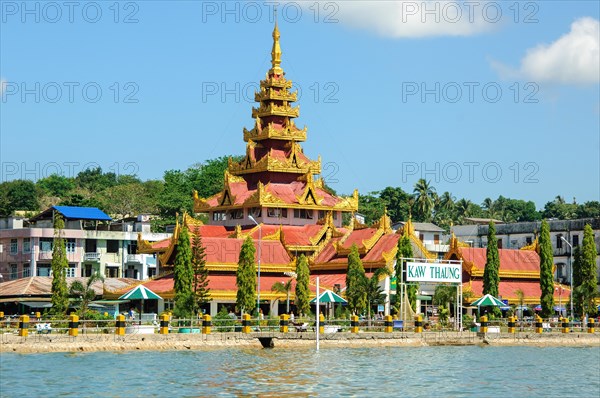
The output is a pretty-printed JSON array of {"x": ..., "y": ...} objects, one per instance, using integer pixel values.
[{"x": 276, "y": 52}]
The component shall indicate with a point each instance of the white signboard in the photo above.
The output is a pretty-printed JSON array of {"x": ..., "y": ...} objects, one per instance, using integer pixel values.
[{"x": 433, "y": 272}]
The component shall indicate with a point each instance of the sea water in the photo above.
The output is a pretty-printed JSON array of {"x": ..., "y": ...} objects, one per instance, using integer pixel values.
[{"x": 330, "y": 372}]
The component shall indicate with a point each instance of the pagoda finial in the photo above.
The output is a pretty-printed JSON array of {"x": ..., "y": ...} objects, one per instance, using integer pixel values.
[{"x": 276, "y": 51}]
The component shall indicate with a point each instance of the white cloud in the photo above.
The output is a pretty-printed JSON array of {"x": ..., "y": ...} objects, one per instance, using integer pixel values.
[
  {"x": 572, "y": 59},
  {"x": 410, "y": 18}
]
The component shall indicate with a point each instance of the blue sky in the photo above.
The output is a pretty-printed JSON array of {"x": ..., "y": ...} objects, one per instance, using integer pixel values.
[{"x": 486, "y": 99}]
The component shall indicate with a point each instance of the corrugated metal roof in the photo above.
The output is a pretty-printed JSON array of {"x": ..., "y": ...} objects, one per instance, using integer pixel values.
[{"x": 82, "y": 213}]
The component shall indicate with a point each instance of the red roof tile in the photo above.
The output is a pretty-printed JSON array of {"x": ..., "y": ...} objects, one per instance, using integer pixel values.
[
  {"x": 510, "y": 259},
  {"x": 507, "y": 290},
  {"x": 384, "y": 245}
]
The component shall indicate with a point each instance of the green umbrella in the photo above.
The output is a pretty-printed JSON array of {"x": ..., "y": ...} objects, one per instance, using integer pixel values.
[
  {"x": 328, "y": 297},
  {"x": 488, "y": 301}
]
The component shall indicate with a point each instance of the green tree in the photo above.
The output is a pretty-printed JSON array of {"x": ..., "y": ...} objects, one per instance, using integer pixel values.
[
  {"x": 405, "y": 251},
  {"x": 588, "y": 210},
  {"x": 424, "y": 199},
  {"x": 302, "y": 293},
  {"x": 373, "y": 293},
  {"x": 546, "y": 276},
  {"x": 355, "y": 275},
  {"x": 371, "y": 206},
  {"x": 183, "y": 275},
  {"x": 200, "y": 281},
  {"x": 246, "y": 278},
  {"x": 56, "y": 185},
  {"x": 397, "y": 203},
  {"x": 18, "y": 195},
  {"x": 589, "y": 271},
  {"x": 59, "y": 264},
  {"x": 284, "y": 287},
  {"x": 577, "y": 279},
  {"x": 560, "y": 209},
  {"x": 94, "y": 180},
  {"x": 491, "y": 276},
  {"x": 84, "y": 294}
]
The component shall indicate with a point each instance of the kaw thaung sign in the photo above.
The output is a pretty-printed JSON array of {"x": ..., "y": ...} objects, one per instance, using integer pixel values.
[{"x": 433, "y": 272}]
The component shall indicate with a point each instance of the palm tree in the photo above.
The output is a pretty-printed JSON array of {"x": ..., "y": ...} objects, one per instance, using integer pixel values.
[
  {"x": 372, "y": 291},
  {"x": 283, "y": 287},
  {"x": 463, "y": 209},
  {"x": 85, "y": 294},
  {"x": 424, "y": 198},
  {"x": 447, "y": 201}
]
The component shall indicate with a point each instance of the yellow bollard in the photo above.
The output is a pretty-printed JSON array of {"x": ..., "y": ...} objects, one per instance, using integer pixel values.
[
  {"x": 1, "y": 314},
  {"x": 484, "y": 324},
  {"x": 389, "y": 324},
  {"x": 354, "y": 324},
  {"x": 565, "y": 325},
  {"x": 321, "y": 324},
  {"x": 539, "y": 327},
  {"x": 38, "y": 315},
  {"x": 73, "y": 325},
  {"x": 164, "y": 324},
  {"x": 590, "y": 325},
  {"x": 284, "y": 323},
  {"x": 206, "y": 324},
  {"x": 24, "y": 325},
  {"x": 419, "y": 324},
  {"x": 512, "y": 323},
  {"x": 120, "y": 325},
  {"x": 246, "y": 323}
]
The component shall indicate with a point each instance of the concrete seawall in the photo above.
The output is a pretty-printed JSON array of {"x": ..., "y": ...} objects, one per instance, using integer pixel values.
[{"x": 155, "y": 342}]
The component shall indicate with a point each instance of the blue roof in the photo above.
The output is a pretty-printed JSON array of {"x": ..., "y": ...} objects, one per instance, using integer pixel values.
[{"x": 82, "y": 213}]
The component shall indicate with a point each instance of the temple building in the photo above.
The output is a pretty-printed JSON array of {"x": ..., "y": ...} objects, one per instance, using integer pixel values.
[{"x": 275, "y": 195}]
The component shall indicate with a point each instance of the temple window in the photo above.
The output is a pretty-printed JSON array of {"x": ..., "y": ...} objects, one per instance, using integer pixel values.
[
  {"x": 219, "y": 216},
  {"x": 255, "y": 212},
  {"x": 559, "y": 241},
  {"x": 303, "y": 214},
  {"x": 575, "y": 240},
  {"x": 237, "y": 214},
  {"x": 277, "y": 212},
  {"x": 335, "y": 215},
  {"x": 322, "y": 214}
]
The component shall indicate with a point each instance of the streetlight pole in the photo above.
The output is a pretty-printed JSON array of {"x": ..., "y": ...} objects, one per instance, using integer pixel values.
[
  {"x": 258, "y": 280},
  {"x": 570, "y": 272}
]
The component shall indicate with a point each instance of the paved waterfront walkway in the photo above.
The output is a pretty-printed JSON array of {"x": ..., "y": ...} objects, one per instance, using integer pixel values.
[{"x": 155, "y": 342}]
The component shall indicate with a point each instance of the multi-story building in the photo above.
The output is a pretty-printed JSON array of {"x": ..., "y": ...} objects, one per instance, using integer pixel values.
[
  {"x": 518, "y": 235},
  {"x": 94, "y": 242},
  {"x": 433, "y": 238}
]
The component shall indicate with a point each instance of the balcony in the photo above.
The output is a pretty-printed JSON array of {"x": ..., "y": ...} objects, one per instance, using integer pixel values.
[
  {"x": 436, "y": 247},
  {"x": 135, "y": 258},
  {"x": 94, "y": 257}
]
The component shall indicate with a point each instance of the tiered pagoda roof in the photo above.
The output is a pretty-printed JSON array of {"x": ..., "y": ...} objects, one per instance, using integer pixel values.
[{"x": 275, "y": 172}]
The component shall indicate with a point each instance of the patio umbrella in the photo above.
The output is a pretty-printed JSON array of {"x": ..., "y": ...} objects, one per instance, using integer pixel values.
[
  {"x": 488, "y": 301},
  {"x": 329, "y": 297},
  {"x": 140, "y": 292}
]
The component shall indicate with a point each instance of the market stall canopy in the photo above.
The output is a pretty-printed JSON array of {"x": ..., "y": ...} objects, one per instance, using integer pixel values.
[{"x": 140, "y": 292}]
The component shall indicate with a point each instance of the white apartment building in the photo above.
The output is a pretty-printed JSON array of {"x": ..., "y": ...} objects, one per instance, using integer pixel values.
[{"x": 94, "y": 242}]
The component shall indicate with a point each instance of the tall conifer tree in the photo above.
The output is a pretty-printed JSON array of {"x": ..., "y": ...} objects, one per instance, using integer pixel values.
[
  {"x": 355, "y": 275},
  {"x": 546, "y": 276},
  {"x": 589, "y": 272},
  {"x": 246, "y": 278},
  {"x": 183, "y": 275},
  {"x": 491, "y": 273},
  {"x": 302, "y": 300},
  {"x": 59, "y": 265},
  {"x": 200, "y": 284},
  {"x": 405, "y": 250}
]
